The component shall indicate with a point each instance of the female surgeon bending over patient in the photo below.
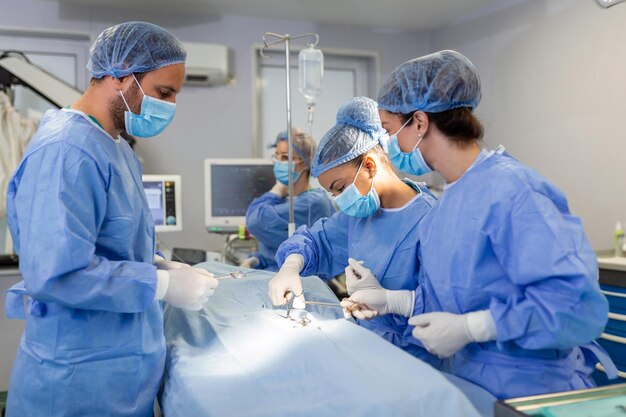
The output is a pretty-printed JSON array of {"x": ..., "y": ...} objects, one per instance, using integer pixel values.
[{"x": 377, "y": 222}]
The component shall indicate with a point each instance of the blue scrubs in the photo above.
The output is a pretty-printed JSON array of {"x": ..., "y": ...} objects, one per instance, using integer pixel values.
[
  {"x": 267, "y": 219},
  {"x": 80, "y": 222},
  {"x": 502, "y": 238},
  {"x": 387, "y": 242}
]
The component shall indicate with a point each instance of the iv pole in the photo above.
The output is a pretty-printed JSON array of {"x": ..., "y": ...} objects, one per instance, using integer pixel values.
[{"x": 267, "y": 43}]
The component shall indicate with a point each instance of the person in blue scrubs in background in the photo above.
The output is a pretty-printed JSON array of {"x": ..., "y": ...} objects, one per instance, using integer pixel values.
[
  {"x": 78, "y": 215},
  {"x": 267, "y": 216},
  {"x": 377, "y": 223},
  {"x": 509, "y": 282}
]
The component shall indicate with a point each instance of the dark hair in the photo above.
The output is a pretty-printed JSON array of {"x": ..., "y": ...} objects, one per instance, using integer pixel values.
[
  {"x": 378, "y": 150},
  {"x": 460, "y": 125},
  {"x": 98, "y": 81}
]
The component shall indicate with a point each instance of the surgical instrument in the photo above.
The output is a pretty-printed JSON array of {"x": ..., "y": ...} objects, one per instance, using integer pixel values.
[
  {"x": 320, "y": 303},
  {"x": 233, "y": 274}
]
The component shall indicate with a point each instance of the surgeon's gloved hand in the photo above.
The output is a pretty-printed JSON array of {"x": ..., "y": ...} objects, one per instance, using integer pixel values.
[
  {"x": 367, "y": 304},
  {"x": 280, "y": 190},
  {"x": 444, "y": 334},
  {"x": 187, "y": 288},
  {"x": 288, "y": 279},
  {"x": 165, "y": 265},
  {"x": 359, "y": 277},
  {"x": 251, "y": 262}
]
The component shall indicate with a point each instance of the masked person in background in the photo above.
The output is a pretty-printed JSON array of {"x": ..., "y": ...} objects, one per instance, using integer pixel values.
[
  {"x": 508, "y": 284},
  {"x": 377, "y": 223},
  {"x": 78, "y": 215},
  {"x": 267, "y": 217}
]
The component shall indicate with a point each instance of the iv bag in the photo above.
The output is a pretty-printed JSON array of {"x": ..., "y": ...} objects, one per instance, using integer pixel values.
[{"x": 310, "y": 71}]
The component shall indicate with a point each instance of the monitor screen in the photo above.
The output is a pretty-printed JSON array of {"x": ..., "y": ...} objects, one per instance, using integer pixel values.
[
  {"x": 163, "y": 193},
  {"x": 230, "y": 186}
]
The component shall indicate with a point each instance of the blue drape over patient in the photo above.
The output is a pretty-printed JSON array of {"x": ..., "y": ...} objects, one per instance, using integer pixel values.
[{"x": 237, "y": 356}]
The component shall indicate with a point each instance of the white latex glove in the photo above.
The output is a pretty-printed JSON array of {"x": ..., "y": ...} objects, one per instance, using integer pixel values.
[
  {"x": 280, "y": 190},
  {"x": 367, "y": 304},
  {"x": 359, "y": 277},
  {"x": 165, "y": 265},
  {"x": 288, "y": 279},
  {"x": 444, "y": 334},
  {"x": 250, "y": 262},
  {"x": 189, "y": 288}
]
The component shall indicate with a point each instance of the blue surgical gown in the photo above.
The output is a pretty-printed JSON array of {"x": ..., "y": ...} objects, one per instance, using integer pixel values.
[
  {"x": 502, "y": 238},
  {"x": 93, "y": 343},
  {"x": 387, "y": 242},
  {"x": 267, "y": 219}
]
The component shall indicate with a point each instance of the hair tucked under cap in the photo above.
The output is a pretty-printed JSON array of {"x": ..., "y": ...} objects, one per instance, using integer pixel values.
[
  {"x": 358, "y": 130},
  {"x": 433, "y": 83},
  {"x": 301, "y": 142},
  {"x": 134, "y": 47}
]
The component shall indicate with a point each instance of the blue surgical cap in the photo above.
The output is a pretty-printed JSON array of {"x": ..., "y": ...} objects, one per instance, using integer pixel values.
[
  {"x": 301, "y": 142},
  {"x": 433, "y": 83},
  {"x": 134, "y": 47},
  {"x": 358, "y": 130}
]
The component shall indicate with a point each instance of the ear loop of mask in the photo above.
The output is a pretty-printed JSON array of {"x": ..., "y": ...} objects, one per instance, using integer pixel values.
[
  {"x": 419, "y": 140},
  {"x": 403, "y": 126},
  {"x": 419, "y": 134},
  {"x": 357, "y": 174},
  {"x": 140, "y": 89}
]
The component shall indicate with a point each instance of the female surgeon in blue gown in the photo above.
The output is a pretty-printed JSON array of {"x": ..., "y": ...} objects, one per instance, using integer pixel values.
[
  {"x": 508, "y": 284},
  {"x": 377, "y": 222},
  {"x": 267, "y": 216}
]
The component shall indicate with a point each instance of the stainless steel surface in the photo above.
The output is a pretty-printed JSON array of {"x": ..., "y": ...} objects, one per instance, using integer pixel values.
[
  {"x": 321, "y": 303},
  {"x": 233, "y": 274},
  {"x": 286, "y": 38}
]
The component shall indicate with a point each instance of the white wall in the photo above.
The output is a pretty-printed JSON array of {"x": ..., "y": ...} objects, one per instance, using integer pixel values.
[
  {"x": 554, "y": 85},
  {"x": 210, "y": 122}
]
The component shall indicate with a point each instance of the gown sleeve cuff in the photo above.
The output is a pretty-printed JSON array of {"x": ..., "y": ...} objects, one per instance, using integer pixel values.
[
  {"x": 481, "y": 326},
  {"x": 163, "y": 282}
]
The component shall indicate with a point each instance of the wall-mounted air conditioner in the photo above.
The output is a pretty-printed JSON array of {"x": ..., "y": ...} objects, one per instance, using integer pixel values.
[
  {"x": 208, "y": 64},
  {"x": 609, "y": 3}
]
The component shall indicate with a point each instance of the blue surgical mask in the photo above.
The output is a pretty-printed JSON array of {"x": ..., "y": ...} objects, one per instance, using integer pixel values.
[
  {"x": 351, "y": 202},
  {"x": 155, "y": 116},
  {"x": 281, "y": 172},
  {"x": 411, "y": 162}
]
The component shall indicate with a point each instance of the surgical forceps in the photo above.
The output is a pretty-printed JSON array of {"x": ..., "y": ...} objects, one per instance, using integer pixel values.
[
  {"x": 317, "y": 303},
  {"x": 233, "y": 274}
]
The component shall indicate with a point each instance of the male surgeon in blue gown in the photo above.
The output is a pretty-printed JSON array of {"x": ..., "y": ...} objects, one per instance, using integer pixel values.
[{"x": 93, "y": 344}]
